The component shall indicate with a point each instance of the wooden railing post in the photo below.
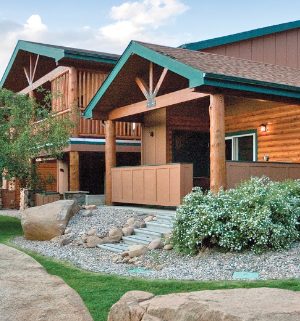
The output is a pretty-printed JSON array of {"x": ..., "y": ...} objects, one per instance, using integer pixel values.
[
  {"x": 217, "y": 143},
  {"x": 74, "y": 171},
  {"x": 110, "y": 158},
  {"x": 73, "y": 100}
]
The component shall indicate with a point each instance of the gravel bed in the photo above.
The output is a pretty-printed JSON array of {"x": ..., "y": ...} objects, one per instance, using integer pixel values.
[
  {"x": 102, "y": 220},
  {"x": 159, "y": 264}
]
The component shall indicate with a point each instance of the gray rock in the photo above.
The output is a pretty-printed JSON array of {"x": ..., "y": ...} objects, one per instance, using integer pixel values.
[
  {"x": 87, "y": 213},
  {"x": 155, "y": 244},
  {"x": 47, "y": 221},
  {"x": 28, "y": 292},
  {"x": 92, "y": 231},
  {"x": 168, "y": 247},
  {"x": 137, "y": 250},
  {"x": 127, "y": 230},
  {"x": 93, "y": 241},
  {"x": 115, "y": 234}
]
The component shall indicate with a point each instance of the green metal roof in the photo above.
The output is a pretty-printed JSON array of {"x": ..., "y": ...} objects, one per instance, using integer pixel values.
[
  {"x": 214, "y": 42},
  {"x": 58, "y": 53},
  {"x": 206, "y": 69}
]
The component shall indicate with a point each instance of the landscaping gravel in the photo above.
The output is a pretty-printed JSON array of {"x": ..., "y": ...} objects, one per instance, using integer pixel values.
[{"x": 160, "y": 264}]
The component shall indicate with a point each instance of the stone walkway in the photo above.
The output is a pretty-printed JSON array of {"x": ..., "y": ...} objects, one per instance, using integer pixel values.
[{"x": 28, "y": 292}]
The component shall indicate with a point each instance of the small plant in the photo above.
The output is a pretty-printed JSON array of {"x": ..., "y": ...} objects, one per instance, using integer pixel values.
[{"x": 259, "y": 215}]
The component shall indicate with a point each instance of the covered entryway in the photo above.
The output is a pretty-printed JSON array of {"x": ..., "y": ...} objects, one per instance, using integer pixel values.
[{"x": 179, "y": 96}]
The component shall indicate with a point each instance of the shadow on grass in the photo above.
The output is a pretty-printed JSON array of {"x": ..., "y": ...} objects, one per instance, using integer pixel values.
[{"x": 101, "y": 291}]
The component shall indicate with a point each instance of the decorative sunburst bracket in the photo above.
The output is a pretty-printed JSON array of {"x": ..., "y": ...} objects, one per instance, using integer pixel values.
[
  {"x": 30, "y": 72},
  {"x": 148, "y": 91}
]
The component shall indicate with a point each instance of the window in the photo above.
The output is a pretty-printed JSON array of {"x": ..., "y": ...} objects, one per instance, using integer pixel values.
[{"x": 241, "y": 146}]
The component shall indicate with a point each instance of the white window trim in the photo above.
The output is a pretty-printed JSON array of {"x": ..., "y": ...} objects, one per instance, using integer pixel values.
[{"x": 234, "y": 144}]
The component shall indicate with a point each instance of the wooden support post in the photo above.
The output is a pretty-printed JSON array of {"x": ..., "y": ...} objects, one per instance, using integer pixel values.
[
  {"x": 73, "y": 100},
  {"x": 74, "y": 171},
  {"x": 217, "y": 143},
  {"x": 110, "y": 158}
]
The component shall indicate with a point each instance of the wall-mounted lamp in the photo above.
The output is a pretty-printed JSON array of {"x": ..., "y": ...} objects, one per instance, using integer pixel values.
[
  {"x": 263, "y": 128},
  {"x": 151, "y": 133}
]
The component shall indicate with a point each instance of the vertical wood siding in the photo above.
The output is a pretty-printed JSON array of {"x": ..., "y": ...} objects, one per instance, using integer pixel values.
[
  {"x": 281, "y": 48},
  {"x": 59, "y": 91}
]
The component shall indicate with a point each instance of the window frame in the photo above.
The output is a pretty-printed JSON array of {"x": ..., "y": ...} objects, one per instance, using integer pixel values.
[{"x": 234, "y": 143}]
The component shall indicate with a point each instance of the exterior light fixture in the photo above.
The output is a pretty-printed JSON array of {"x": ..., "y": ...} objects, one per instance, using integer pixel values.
[{"x": 263, "y": 128}]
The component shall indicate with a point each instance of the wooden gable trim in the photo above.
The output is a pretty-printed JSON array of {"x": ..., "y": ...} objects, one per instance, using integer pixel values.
[
  {"x": 176, "y": 97},
  {"x": 50, "y": 76}
]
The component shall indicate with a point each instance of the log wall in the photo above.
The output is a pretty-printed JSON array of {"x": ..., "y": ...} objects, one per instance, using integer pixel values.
[{"x": 282, "y": 140}]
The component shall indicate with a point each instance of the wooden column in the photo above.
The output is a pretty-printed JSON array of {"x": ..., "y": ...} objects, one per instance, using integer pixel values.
[
  {"x": 110, "y": 158},
  {"x": 74, "y": 171},
  {"x": 73, "y": 100},
  {"x": 217, "y": 143}
]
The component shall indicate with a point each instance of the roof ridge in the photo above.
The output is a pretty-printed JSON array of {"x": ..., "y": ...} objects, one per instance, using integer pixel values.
[{"x": 243, "y": 35}]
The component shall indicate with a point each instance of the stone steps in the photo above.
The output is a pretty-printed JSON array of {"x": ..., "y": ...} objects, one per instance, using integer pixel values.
[{"x": 143, "y": 236}]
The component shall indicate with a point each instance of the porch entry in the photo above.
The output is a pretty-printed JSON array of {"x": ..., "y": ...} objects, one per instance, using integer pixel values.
[{"x": 193, "y": 147}]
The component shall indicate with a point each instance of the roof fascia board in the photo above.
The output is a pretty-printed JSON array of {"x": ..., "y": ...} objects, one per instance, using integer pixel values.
[
  {"x": 38, "y": 49},
  {"x": 195, "y": 76},
  {"x": 87, "y": 57},
  {"x": 243, "y": 84},
  {"x": 246, "y": 35}
]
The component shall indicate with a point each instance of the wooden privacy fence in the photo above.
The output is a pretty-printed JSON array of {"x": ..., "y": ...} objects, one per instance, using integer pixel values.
[
  {"x": 240, "y": 171},
  {"x": 163, "y": 185}
]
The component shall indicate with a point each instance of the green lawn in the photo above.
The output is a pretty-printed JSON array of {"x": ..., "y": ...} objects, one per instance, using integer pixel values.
[{"x": 100, "y": 291}]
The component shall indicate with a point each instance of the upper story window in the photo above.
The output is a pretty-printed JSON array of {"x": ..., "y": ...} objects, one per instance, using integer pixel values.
[{"x": 241, "y": 146}]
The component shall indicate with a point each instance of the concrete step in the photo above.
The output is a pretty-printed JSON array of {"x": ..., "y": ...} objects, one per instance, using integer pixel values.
[
  {"x": 157, "y": 226},
  {"x": 114, "y": 247},
  {"x": 165, "y": 219},
  {"x": 147, "y": 232},
  {"x": 137, "y": 239}
]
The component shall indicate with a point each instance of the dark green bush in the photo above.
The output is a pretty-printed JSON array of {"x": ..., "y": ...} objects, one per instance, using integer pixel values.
[{"x": 259, "y": 215}]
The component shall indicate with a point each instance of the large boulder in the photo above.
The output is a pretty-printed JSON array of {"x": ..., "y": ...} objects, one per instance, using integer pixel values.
[
  {"x": 44, "y": 222},
  {"x": 261, "y": 304},
  {"x": 28, "y": 292}
]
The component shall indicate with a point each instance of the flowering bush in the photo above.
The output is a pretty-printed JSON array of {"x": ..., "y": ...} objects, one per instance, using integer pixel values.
[{"x": 259, "y": 214}]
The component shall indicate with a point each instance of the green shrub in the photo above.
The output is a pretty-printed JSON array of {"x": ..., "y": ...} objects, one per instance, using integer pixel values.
[{"x": 259, "y": 215}]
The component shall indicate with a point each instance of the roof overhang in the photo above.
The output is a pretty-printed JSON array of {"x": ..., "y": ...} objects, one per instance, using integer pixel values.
[
  {"x": 204, "y": 82},
  {"x": 194, "y": 76},
  {"x": 57, "y": 54}
]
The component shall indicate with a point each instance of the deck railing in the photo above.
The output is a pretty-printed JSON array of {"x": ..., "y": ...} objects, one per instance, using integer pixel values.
[
  {"x": 88, "y": 84},
  {"x": 237, "y": 172}
]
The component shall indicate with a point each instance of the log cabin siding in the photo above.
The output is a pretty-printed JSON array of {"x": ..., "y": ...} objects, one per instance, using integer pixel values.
[
  {"x": 281, "y": 48},
  {"x": 282, "y": 140}
]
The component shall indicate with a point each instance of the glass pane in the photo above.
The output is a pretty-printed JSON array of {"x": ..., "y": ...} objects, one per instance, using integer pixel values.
[
  {"x": 245, "y": 148},
  {"x": 228, "y": 149}
]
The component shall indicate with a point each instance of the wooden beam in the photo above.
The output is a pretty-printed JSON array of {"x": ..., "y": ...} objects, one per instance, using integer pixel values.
[
  {"x": 48, "y": 77},
  {"x": 74, "y": 171},
  {"x": 160, "y": 81},
  {"x": 150, "y": 78},
  {"x": 217, "y": 143},
  {"x": 73, "y": 101},
  {"x": 166, "y": 100},
  {"x": 110, "y": 158},
  {"x": 143, "y": 87}
]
